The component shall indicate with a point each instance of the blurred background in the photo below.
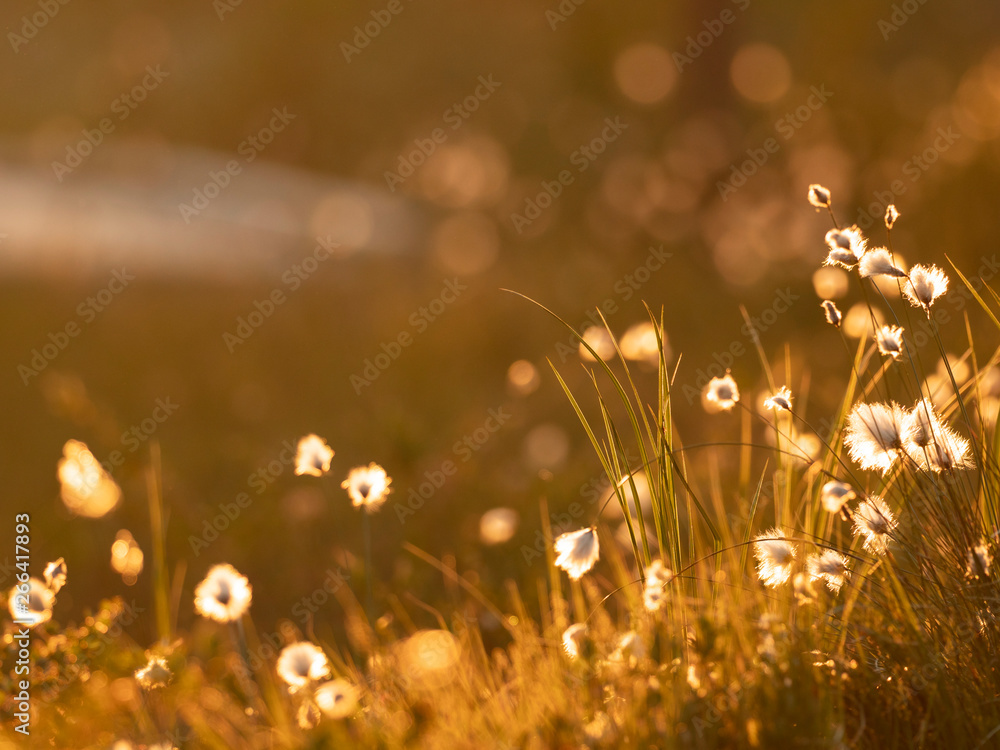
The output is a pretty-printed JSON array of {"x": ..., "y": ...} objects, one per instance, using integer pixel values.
[{"x": 224, "y": 226}]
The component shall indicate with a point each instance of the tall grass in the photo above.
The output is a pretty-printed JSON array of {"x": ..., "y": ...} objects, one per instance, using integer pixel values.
[{"x": 718, "y": 624}]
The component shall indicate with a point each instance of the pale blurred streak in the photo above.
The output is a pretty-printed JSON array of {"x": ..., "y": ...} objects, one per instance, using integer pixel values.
[{"x": 121, "y": 207}]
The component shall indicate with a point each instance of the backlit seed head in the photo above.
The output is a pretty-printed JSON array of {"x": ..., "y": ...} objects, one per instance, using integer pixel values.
[
  {"x": 924, "y": 285},
  {"x": 302, "y": 663},
  {"x": 847, "y": 247},
  {"x": 829, "y": 566},
  {"x": 774, "y": 557},
  {"x": 367, "y": 486},
  {"x": 878, "y": 262},
  {"x": 33, "y": 608},
  {"x": 224, "y": 595},
  {"x": 874, "y": 521},
  {"x": 657, "y": 577},
  {"x": 874, "y": 435},
  {"x": 780, "y": 401},
  {"x": 835, "y": 495},
  {"x": 891, "y": 214},
  {"x": 155, "y": 674},
  {"x": 55, "y": 575},
  {"x": 577, "y": 551},
  {"x": 575, "y": 640},
  {"x": 890, "y": 341},
  {"x": 833, "y": 315},
  {"x": 721, "y": 394},
  {"x": 819, "y": 196},
  {"x": 931, "y": 443},
  {"x": 337, "y": 699},
  {"x": 313, "y": 456}
]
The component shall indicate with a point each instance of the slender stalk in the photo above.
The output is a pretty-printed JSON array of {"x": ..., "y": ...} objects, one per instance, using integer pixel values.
[
  {"x": 244, "y": 674},
  {"x": 158, "y": 531},
  {"x": 369, "y": 598}
]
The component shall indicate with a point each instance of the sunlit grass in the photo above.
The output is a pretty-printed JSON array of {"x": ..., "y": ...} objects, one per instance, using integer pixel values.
[{"x": 836, "y": 590}]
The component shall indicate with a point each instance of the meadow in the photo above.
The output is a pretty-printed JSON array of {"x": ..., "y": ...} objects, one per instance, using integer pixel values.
[
  {"x": 536, "y": 374},
  {"x": 849, "y": 601}
]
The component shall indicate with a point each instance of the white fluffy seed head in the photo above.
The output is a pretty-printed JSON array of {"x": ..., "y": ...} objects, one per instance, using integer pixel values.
[
  {"x": 780, "y": 401},
  {"x": 829, "y": 566},
  {"x": 874, "y": 521},
  {"x": 890, "y": 341},
  {"x": 878, "y": 262},
  {"x": 874, "y": 435},
  {"x": 891, "y": 214},
  {"x": 577, "y": 551},
  {"x": 819, "y": 196},
  {"x": 924, "y": 285},
  {"x": 847, "y": 246},
  {"x": 721, "y": 394},
  {"x": 833, "y": 315},
  {"x": 835, "y": 495},
  {"x": 775, "y": 557},
  {"x": 931, "y": 443}
]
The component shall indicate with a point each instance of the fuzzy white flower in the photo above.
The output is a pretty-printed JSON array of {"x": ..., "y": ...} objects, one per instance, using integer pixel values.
[
  {"x": 658, "y": 576},
  {"x": 819, "y": 196},
  {"x": 924, "y": 285},
  {"x": 55, "y": 575},
  {"x": 721, "y": 394},
  {"x": 155, "y": 674},
  {"x": 874, "y": 521},
  {"x": 891, "y": 214},
  {"x": 367, "y": 486},
  {"x": 950, "y": 451},
  {"x": 780, "y": 401},
  {"x": 224, "y": 595},
  {"x": 574, "y": 640},
  {"x": 313, "y": 456},
  {"x": 874, "y": 435},
  {"x": 831, "y": 567},
  {"x": 577, "y": 551},
  {"x": 833, "y": 315},
  {"x": 878, "y": 262},
  {"x": 932, "y": 444},
  {"x": 302, "y": 663},
  {"x": 774, "y": 557},
  {"x": 338, "y": 699},
  {"x": 835, "y": 495},
  {"x": 890, "y": 341},
  {"x": 847, "y": 247},
  {"x": 921, "y": 424},
  {"x": 33, "y": 607}
]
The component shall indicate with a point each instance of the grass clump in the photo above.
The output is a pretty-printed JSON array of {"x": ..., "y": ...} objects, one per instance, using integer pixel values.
[{"x": 838, "y": 590}]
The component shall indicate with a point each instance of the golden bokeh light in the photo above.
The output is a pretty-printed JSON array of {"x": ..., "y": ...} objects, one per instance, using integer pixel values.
[
  {"x": 645, "y": 73},
  {"x": 760, "y": 73}
]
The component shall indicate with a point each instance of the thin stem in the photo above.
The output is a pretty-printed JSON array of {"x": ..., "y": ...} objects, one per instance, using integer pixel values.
[
  {"x": 369, "y": 599},
  {"x": 829, "y": 207},
  {"x": 153, "y": 490}
]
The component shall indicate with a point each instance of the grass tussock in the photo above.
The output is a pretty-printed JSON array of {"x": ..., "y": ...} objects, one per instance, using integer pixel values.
[{"x": 836, "y": 589}]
